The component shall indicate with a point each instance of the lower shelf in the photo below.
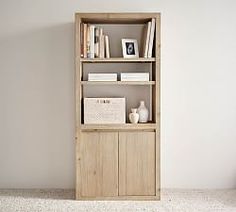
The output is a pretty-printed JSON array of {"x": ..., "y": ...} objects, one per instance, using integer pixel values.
[{"x": 147, "y": 126}]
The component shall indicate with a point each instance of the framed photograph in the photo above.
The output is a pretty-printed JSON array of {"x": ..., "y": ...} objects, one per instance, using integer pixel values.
[{"x": 130, "y": 48}]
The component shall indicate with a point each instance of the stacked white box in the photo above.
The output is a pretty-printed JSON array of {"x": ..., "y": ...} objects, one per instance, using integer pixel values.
[
  {"x": 134, "y": 76},
  {"x": 102, "y": 77},
  {"x": 104, "y": 110}
]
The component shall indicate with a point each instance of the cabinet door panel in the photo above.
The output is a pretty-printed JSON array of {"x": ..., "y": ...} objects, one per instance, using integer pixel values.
[
  {"x": 137, "y": 163},
  {"x": 98, "y": 164}
]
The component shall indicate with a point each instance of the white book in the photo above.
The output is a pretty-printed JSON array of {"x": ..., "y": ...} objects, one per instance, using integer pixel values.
[
  {"x": 107, "y": 47},
  {"x": 92, "y": 52},
  {"x": 151, "y": 39},
  {"x": 134, "y": 76},
  {"x": 146, "y": 39},
  {"x": 135, "y": 79},
  {"x": 102, "y": 77},
  {"x": 101, "y": 44}
]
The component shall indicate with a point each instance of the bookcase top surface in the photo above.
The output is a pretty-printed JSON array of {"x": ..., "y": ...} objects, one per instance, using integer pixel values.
[{"x": 116, "y": 17}]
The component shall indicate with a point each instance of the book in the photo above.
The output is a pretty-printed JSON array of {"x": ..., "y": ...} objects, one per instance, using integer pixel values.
[
  {"x": 134, "y": 76},
  {"x": 84, "y": 40},
  {"x": 151, "y": 39},
  {"x": 101, "y": 44},
  {"x": 91, "y": 31},
  {"x": 147, "y": 31},
  {"x": 88, "y": 41},
  {"x": 107, "y": 47},
  {"x": 96, "y": 42},
  {"x": 102, "y": 77}
]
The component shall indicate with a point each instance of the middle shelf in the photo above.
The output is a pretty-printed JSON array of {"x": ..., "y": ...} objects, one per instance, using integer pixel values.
[{"x": 117, "y": 82}]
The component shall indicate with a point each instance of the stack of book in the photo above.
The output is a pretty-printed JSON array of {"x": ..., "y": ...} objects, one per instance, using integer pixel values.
[
  {"x": 102, "y": 77},
  {"x": 134, "y": 76},
  {"x": 149, "y": 32},
  {"x": 94, "y": 44}
]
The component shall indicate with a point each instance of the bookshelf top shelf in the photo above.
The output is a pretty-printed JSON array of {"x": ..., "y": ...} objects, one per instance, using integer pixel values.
[
  {"x": 116, "y": 18},
  {"x": 118, "y": 60}
]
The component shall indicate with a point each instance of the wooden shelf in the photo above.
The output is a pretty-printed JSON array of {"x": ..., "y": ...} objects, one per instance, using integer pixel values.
[
  {"x": 116, "y": 18},
  {"x": 118, "y": 60},
  {"x": 117, "y": 82},
  {"x": 122, "y": 146},
  {"x": 128, "y": 126}
]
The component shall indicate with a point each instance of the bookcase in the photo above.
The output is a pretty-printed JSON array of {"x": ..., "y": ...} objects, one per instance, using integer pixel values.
[{"x": 118, "y": 161}]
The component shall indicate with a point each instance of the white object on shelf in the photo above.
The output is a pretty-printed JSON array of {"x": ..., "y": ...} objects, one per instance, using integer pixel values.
[
  {"x": 130, "y": 48},
  {"x": 104, "y": 110},
  {"x": 134, "y": 116},
  {"x": 107, "y": 47},
  {"x": 92, "y": 52},
  {"x": 143, "y": 113},
  {"x": 151, "y": 39},
  {"x": 101, "y": 43},
  {"x": 102, "y": 77},
  {"x": 134, "y": 76},
  {"x": 146, "y": 39}
]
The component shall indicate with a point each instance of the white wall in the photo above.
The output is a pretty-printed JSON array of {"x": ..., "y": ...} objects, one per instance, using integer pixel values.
[{"x": 37, "y": 91}]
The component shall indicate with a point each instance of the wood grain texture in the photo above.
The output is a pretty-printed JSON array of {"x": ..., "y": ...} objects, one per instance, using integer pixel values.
[
  {"x": 115, "y": 127},
  {"x": 77, "y": 71},
  {"x": 98, "y": 164},
  {"x": 118, "y": 162},
  {"x": 137, "y": 163},
  {"x": 118, "y": 60},
  {"x": 121, "y": 198},
  {"x": 157, "y": 100},
  {"x": 77, "y": 93},
  {"x": 127, "y": 18},
  {"x": 118, "y": 82}
]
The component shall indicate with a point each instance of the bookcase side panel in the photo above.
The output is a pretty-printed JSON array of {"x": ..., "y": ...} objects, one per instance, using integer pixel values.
[{"x": 158, "y": 98}]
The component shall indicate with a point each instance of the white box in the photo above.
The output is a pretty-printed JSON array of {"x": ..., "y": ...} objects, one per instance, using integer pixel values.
[
  {"x": 102, "y": 77},
  {"x": 104, "y": 110},
  {"x": 134, "y": 76}
]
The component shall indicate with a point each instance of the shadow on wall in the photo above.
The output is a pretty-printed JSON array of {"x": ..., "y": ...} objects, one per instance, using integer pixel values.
[{"x": 37, "y": 108}]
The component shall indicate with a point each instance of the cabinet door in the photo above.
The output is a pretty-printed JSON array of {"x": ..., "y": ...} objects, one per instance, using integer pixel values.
[
  {"x": 97, "y": 164},
  {"x": 137, "y": 163}
]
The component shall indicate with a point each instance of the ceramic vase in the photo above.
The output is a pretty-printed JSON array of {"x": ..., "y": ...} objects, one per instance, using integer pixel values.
[
  {"x": 143, "y": 112},
  {"x": 134, "y": 116}
]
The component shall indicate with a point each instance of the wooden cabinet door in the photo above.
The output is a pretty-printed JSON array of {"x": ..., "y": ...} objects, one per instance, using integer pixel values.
[
  {"x": 137, "y": 171},
  {"x": 97, "y": 170}
]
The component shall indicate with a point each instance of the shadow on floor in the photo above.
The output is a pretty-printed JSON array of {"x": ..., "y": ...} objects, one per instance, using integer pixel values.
[{"x": 57, "y": 194}]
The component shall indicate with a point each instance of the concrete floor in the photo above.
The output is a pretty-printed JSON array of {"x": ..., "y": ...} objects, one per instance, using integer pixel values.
[{"x": 172, "y": 200}]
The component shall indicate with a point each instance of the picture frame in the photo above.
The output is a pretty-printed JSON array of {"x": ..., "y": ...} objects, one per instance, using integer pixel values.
[{"x": 130, "y": 48}]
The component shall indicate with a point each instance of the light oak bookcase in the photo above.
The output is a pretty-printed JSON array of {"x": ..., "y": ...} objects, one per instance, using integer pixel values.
[{"x": 119, "y": 161}]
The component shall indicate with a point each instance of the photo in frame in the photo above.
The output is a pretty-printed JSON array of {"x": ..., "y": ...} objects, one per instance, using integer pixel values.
[{"x": 130, "y": 48}]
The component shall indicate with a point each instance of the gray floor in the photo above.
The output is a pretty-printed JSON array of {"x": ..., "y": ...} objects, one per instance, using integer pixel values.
[{"x": 172, "y": 200}]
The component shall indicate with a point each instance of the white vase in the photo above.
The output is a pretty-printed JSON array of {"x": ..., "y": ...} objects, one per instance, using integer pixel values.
[
  {"x": 143, "y": 113},
  {"x": 134, "y": 116}
]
